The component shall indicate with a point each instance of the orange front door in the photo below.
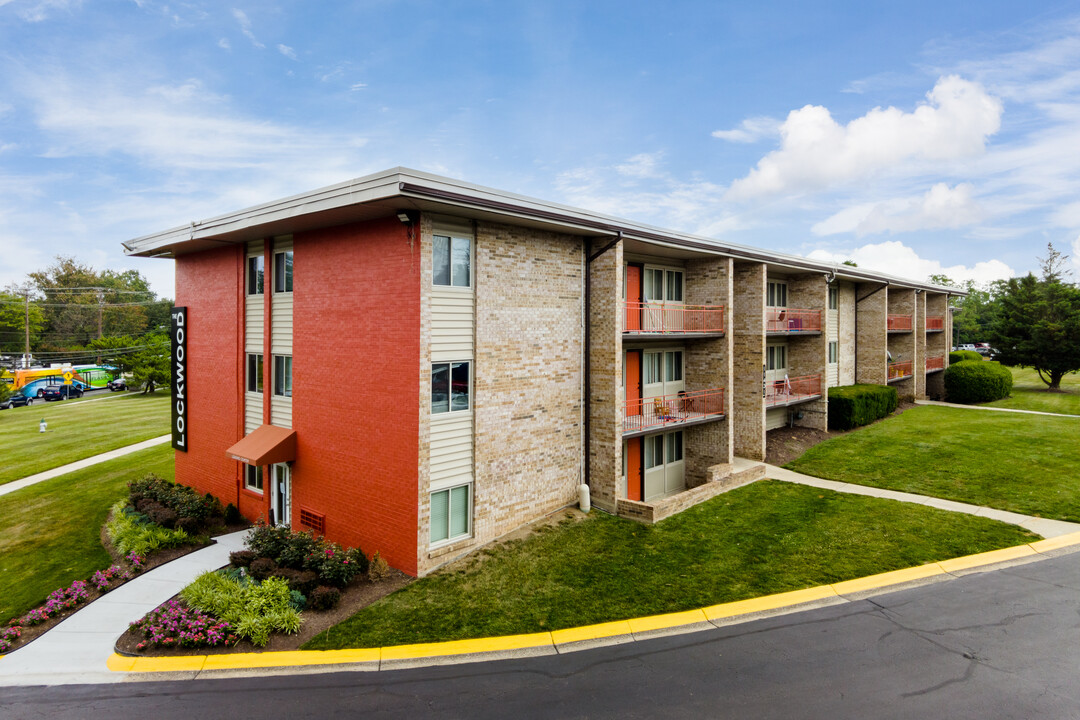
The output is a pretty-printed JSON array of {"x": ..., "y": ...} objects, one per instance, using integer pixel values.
[
  {"x": 633, "y": 382},
  {"x": 633, "y": 468},
  {"x": 633, "y": 298}
]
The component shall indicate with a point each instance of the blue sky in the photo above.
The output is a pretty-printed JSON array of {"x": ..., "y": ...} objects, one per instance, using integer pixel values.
[{"x": 913, "y": 137}]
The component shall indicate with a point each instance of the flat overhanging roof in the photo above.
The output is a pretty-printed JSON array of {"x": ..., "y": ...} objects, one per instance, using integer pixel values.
[{"x": 384, "y": 194}]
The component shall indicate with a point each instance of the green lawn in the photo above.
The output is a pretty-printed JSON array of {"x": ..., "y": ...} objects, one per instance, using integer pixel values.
[
  {"x": 1024, "y": 463},
  {"x": 77, "y": 429},
  {"x": 50, "y": 532},
  {"x": 1029, "y": 393},
  {"x": 764, "y": 538}
]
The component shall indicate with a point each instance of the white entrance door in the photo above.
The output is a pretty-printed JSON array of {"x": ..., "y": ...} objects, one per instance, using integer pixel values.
[
  {"x": 662, "y": 373},
  {"x": 664, "y": 472},
  {"x": 281, "y": 494}
]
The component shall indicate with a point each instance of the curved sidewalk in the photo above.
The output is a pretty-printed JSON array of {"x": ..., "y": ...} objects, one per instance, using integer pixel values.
[{"x": 938, "y": 403}]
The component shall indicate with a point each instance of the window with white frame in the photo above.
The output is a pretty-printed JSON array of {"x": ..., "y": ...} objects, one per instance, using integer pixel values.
[
  {"x": 451, "y": 512},
  {"x": 834, "y": 298},
  {"x": 449, "y": 387},
  {"x": 673, "y": 447},
  {"x": 451, "y": 261},
  {"x": 283, "y": 375},
  {"x": 834, "y": 352},
  {"x": 255, "y": 275},
  {"x": 662, "y": 284},
  {"x": 663, "y": 449},
  {"x": 776, "y": 294},
  {"x": 654, "y": 451},
  {"x": 254, "y": 372},
  {"x": 253, "y": 478},
  {"x": 673, "y": 366},
  {"x": 283, "y": 271},
  {"x": 776, "y": 357}
]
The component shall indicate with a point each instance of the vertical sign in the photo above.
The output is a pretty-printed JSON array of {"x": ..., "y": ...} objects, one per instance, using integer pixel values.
[{"x": 178, "y": 334}]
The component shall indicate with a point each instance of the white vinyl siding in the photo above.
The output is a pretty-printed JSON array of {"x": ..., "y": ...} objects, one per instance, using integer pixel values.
[
  {"x": 453, "y": 308},
  {"x": 281, "y": 339},
  {"x": 832, "y": 331},
  {"x": 254, "y": 319},
  {"x": 776, "y": 418},
  {"x": 451, "y": 443}
]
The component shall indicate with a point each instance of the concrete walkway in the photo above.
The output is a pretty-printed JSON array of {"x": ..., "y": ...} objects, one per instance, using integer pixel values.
[
  {"x": 76, "y": 650},
  {"x": 80, "y": 464},
  {"x": 1043, "y": 526},
  {"x": 995, "y": 409}
]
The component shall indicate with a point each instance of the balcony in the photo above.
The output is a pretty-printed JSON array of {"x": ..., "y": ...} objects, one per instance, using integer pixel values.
[
  {"x": 659, "y": 319},
  {"x": 935, "y": 323},
  {"x": 792, "y": 391},
  {"x": 935, "y": 364},
  {"x": 645, "y": 415},
  {"x": 899, "y": 323},
  {"x": 792, "y": 321},
  {"x": 899, "y": 370}
]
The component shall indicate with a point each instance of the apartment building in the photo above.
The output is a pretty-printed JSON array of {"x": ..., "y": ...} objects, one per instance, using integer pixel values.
[{"x": 418, "y": 365}]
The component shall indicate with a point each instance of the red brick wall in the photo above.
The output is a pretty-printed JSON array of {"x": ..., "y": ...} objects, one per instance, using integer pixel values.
[
  {"x": 210, "y": 285},
  {"x": 356, "y": 344}
]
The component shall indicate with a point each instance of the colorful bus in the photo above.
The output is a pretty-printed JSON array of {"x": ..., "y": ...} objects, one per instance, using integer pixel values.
[{"x": 85, "y": 377}]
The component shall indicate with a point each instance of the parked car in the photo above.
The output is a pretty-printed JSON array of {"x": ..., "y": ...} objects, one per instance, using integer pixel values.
[
  {"x": 117, "y": 384},
  {"x": 59, "y": 392},
  {"x": 17, "y": 399}
]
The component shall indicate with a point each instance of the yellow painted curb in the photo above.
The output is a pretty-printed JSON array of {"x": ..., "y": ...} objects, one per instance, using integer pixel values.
[
  {"x": 768, "y": 602},
  {"x": 670, "y": 620},
  {"x": 120, "y": 663},
  {"x": 462, "y": 647},
  {"x": 185, "y": 663},
  {"x": 987, "y": 558},
  {"x": 881, "y": 580},
  {"x": 238, "y": 661},
  {"x": 1061, "y": 541},
  {"x": 591, "y": 632}
]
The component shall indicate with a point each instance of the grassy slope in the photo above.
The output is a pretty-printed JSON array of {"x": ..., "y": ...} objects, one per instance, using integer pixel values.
[
  {"x": 1010, "y": 461},
  {"x": 1029, "y": 393},
  {"x": 77, "y": 430},
  {"x": 765, "y": 538},
  {"x": 49, "y": 532}
]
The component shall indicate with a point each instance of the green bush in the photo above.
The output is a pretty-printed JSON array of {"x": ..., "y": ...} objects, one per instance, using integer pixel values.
[
  {"x": 973, "y": 381},
  {"x": 852, "y": 406},
  {"x": 180, "y": 499},
  {"x": 133, "y": 532},
  {"x": 962, "y": 355},
  {"x": 281, "y": 547},
  {"x": 254, "y": 610}
]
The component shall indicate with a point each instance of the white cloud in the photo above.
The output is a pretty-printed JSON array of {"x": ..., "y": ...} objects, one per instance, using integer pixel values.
[
  {"x": 940, "y": 207},
  {"x": 287, "y": 51},
  {"x": 38, "y": 10},
  {"x": 750, "y": 130},
  {"x": 224, "y": 44},
  {"x": 357, "y": 86},
  {"x": 642, "y": 166},
  {"x": 245, "y": 27},
  {"x": 816, "y": 152},
  {"x": 895, "y": 258},
  {"x": 1075, "y": 257}
]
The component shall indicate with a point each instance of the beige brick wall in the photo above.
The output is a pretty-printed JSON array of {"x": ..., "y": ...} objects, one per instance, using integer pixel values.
[
  {"x": 423, "y": 529},
  {"x": 920, "y": 345},
  {"x": 809, "y": 354},
  {"x": 938, "y": 343},
  {"x": 605, "y": 370},
  {"x": 747, "y": 421},
  {"x": 902, "y": 344},
  {"x": 871, "y": 341},
  {"x": 846, "y": 316}
]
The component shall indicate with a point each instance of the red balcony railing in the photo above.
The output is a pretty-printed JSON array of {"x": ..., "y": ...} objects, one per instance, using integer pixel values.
[
  {"x": 899, "y": 369},
  {"x": 935, "y": 363},
  {"x": 899, "y": 322},
  {"x": 645, "y": 413},
  {"x": 659, "y": 318},
  {"x": 792, "y": 320},
  {"x": 935, "y": 322},
  {"x": 792, "y": 390}
]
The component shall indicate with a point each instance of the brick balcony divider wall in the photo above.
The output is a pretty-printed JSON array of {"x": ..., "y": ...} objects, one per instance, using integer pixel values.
[
  {"x": 846, "y": 349},
  {"x": 708, "y": 365},
  {"x": 809, "y": 354},
  {"x": 747, "y": 421},
  {"x": 902, "y": 345},
  {"x": 871, "y": 338},
  {"x": 920, "y": 345},
  {"x": 605, "y": 371},
  {"x": 938, "y": 343}
]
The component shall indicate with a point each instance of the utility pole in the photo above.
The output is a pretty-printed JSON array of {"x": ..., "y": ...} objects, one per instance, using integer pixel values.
[{"x": 26, "y": 298}]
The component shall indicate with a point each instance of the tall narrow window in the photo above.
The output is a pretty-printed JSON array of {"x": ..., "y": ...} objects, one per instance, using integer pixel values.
[
  {"x": 654, "y": 451},
  {"x": 449, "y": 387},
  {"x": 283, "y": 271},
  {"x": 834, "y": 352},
  {"x": 653, "y": 368},
  {"x": 255, "y": 275},
  {"x": 834, "y": 298},
  {"x": 253, "y": 478},
  {"x": 654, "y": 284},
  {"x": 776, "y": 294},
  {"x": 254, "y": 372},
  {"x": 283, "y": 375},
  {"x": 674, "y": 289},
  {"x": 450, "y": 513},
  {"x": 673, "y": 366},
  {"x": 673, "y": 442},
  {"x": 451, "y": 260}
]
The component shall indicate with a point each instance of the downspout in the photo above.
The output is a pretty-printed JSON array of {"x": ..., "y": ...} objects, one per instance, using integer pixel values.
[{"x": 590, "y": 256}]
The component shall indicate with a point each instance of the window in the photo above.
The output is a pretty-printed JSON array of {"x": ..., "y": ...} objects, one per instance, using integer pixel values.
[
  {"x": 253, "y": 479},
  {"x": 663, "y": 284},
  {"x": 654, "y": 451},
  {"x": 834, "y": 352},
  {"x": 254, "y": 373},
  {"x": 283, "y": 375},
  {"x": 674, "y": 288},
  {"x": 834, "y": 298},
  {"x": 673, "y": 445},
  {"x": 653, "y": 372},
  {"x": 451, "y": 261},
  {"x": 776, "y": 294},
  {"x": 673, "y": 366},
  {"x": 450, "y": 513},
  {"x": 283, "y": 270},
  {"x": 449, "y": 387},
  {"x": 255, "y": 275},
  {"x": 776, "y": 357}
]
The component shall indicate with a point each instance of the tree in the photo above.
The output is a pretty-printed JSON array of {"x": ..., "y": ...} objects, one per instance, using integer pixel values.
[
  {"x": 150, "y": 366},
  {"x": 13, "y": 320},
  {"x": 5, "y": 391},
  {"x": 1038, "y": 322},
  {"x": 117, "y": 351}
]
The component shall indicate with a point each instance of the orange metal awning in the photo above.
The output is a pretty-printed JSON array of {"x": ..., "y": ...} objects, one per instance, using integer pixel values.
[{"x": 266, "y": 445}]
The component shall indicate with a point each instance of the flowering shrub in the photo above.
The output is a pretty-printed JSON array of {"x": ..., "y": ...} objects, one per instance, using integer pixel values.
[
  {"x": 60, "y": 600},
  {"x": 303, "y": 551},
  {"x": 334, "y": 565},
  {"x": 10, "y": 634},
  {"x": 176, "y": 625},
  {"x": 103, "y": 578},
  {"x": 254, "y": 609}
]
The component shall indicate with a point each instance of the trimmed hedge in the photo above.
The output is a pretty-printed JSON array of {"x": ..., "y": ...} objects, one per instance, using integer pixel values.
[
  {"x": 962, "y": 355},
  {"x": 851, "y": 406},
  {"x": 973, "y": 381}
]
